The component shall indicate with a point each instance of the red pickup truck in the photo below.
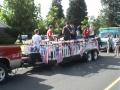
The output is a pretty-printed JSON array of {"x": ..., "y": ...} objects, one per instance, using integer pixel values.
[{"x": 10, "y": 58}]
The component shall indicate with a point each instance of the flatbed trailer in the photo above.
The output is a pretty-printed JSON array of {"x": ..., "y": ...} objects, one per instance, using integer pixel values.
[{"x": 60, "y": 51}]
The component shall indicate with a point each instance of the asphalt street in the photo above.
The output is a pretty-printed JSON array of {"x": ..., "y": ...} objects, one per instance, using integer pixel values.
[{"x": 95, "y": 75}]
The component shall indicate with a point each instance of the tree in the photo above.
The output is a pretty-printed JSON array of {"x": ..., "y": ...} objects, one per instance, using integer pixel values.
[
  {"x": 112, "y": 11},
  {"x": 42, "y": 26},
  {"x": 40, "y": 21},
  {"x": 55, "y": 16},
  {"x": 84, "y": 23},
  {"x": 59, "y": 13},
  {"x": 76, "y": 12},
  {"x": 20, "y": 15},
  {"x": 100, "y": 22},
  {"x": 38, "y": 12}
]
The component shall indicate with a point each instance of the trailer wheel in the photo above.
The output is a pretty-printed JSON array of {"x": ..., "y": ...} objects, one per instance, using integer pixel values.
[
  {"x": 95, "y": 55},
  {"x": 89, "y": 56},
  {"x": 3, "y": 73}
]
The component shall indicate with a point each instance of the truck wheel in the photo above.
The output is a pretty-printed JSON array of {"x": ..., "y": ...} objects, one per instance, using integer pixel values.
[
  {"x": 3, "y": 73},
  {"x": 89, "y": 56},
  {"x": 95, "y": 55}
]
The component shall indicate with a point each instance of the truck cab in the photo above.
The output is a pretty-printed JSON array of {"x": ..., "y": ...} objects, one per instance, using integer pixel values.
[{"x": 10, "y": 58}]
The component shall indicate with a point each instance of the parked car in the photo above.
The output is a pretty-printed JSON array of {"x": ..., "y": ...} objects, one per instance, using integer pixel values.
[{"x": 103, "y": 34}]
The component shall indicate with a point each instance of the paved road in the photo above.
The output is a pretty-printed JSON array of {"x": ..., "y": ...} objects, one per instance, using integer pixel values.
[
  {"x": 96, "y": 75},
  {"x": 116, "y": 86}
]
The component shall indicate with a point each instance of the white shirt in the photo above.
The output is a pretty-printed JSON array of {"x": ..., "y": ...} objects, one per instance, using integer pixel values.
[
  {"x": 36, "y": 39},
  {"x": 116, "y": 41}
]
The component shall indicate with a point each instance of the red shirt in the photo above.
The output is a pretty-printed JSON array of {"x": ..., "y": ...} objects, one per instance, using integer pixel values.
[
  {"x": 86, "y": 32},
  {"x": 49, "y": 34}
]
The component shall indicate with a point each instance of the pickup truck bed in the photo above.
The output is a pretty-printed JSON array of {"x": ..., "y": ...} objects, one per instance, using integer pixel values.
[{"x": 10, "y": 58}]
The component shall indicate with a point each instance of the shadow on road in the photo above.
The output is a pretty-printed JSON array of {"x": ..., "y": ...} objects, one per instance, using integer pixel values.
[
  {"x": 28, "y": 81},
  {"x": 24, "y": 82},
  {"x": 80, "y": 69}
]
